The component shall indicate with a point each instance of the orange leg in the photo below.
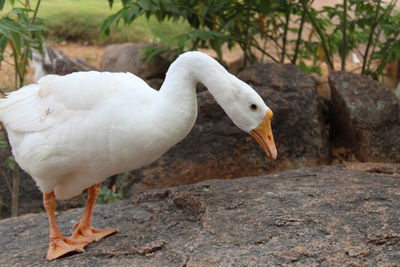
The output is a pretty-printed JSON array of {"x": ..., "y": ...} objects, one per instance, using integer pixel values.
[
  {"x": 59, "y": 245},
  {"x": 83, "y": 229}
]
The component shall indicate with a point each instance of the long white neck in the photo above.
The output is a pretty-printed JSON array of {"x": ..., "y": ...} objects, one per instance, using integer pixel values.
[
  {"x": 176, "y": 105},
  {"x": 191, "y": 68}
]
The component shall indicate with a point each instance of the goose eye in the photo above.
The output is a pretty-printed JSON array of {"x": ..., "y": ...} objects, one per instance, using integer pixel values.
[{"x": 253, "y": 107}]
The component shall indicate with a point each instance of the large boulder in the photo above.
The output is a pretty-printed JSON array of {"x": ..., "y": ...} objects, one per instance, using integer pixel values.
[
  {"x": 365, "y": 117},
  {"x": 299, "y": 125},
  {"x": 128, "y": 57},
  {"x": 323, "y": 216},
  {"x": 216, "y": 148}
]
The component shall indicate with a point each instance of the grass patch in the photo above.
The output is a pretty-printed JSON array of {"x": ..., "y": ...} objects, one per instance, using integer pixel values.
[
  {"x": 80, "y": 20},
  {"x": 85, "y": 28}
]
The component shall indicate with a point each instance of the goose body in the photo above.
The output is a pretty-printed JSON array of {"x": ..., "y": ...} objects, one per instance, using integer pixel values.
[
  {"x": 70, "y": 137},
  {"x": 72, "y": 132}
]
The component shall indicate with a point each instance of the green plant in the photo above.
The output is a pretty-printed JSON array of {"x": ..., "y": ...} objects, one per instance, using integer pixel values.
[
  {"x": 74, "y": 21},
  {"x": 108, "y": 195},
  {"x": 278, "y": 29},
  {"x": 348, "y": 26},
  {"x": 21, "y": 31},
  {"x": 119, "y": 184},
  {"x": 214, "y": 23}
]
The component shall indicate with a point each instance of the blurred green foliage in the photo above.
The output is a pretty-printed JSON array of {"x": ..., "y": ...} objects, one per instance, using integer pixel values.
[
  {"x": 80, "y": 20},
  {"x": 281, "y": 30},
  {"x": 22, "y": 31},
  {"x": 108, "y": 195},
  {"x": 368, "y": 28}
]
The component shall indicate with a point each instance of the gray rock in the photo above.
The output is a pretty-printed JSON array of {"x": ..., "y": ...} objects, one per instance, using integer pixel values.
[
  {"x": 127, "y": 57},
  {"x": 301, "y": 132},
  {"x": 325, "y": 216},
  {"x": 216, "y": 148},
  {"x": 365, "y": 117},
  {"x": 53, "y": 61}
]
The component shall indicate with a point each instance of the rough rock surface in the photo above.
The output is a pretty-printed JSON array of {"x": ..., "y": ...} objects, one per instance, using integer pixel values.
[
  {"x": 127, "y": 57},
  {"x": 216, "y": 148},
  {"x": 324, "y": 216},
  {"x": 366, "y": 114},
  {"x": 301, "y": 132}
]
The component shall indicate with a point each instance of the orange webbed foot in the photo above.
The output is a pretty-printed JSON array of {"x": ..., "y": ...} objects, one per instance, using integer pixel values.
[
  {"x": 90, "y": 234},
  {"x": 59, "y": 246}
]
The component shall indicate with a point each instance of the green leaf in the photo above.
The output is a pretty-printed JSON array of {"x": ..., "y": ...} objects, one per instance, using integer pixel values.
[
  {"x": 13, "y": 26},
  {"x": 216, "y": 45},
  {"x": 169, "y": 6},
  {"x": 10, "y": 163},
  {"x": 106, "y": 196},
  {"x": 182, "y": 40},
  {"x": 17, "y": 41},
  {"x": 2, "y": 2},
  {"x": 110, "y": 3},
  {"x": 147, "y": 5},
  {"x": 21, "y": 10},
  {"x": 105, "y": 27},
  {"x": 4, "y": 32},
  {"x": 125, "y": 2},
  {"x": 3, "y": 43},
  {"x": 265, "y": 6},
  {"x": 130, "y": 13}
]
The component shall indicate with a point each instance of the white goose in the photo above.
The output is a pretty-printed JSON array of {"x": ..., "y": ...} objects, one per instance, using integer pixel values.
[{"x": 72, "y": 132}]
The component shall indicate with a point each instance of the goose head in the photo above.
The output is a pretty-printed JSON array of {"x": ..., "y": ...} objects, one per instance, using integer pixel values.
[
  {"x": 249, "y": 112},
  {"x": 241, "y": 103}
]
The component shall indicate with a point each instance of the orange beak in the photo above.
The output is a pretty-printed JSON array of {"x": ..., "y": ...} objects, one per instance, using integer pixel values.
[{"x": 264, "y": 137}]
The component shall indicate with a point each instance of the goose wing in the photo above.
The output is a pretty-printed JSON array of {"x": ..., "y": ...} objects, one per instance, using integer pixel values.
[{"x": 55, "y": 98}]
